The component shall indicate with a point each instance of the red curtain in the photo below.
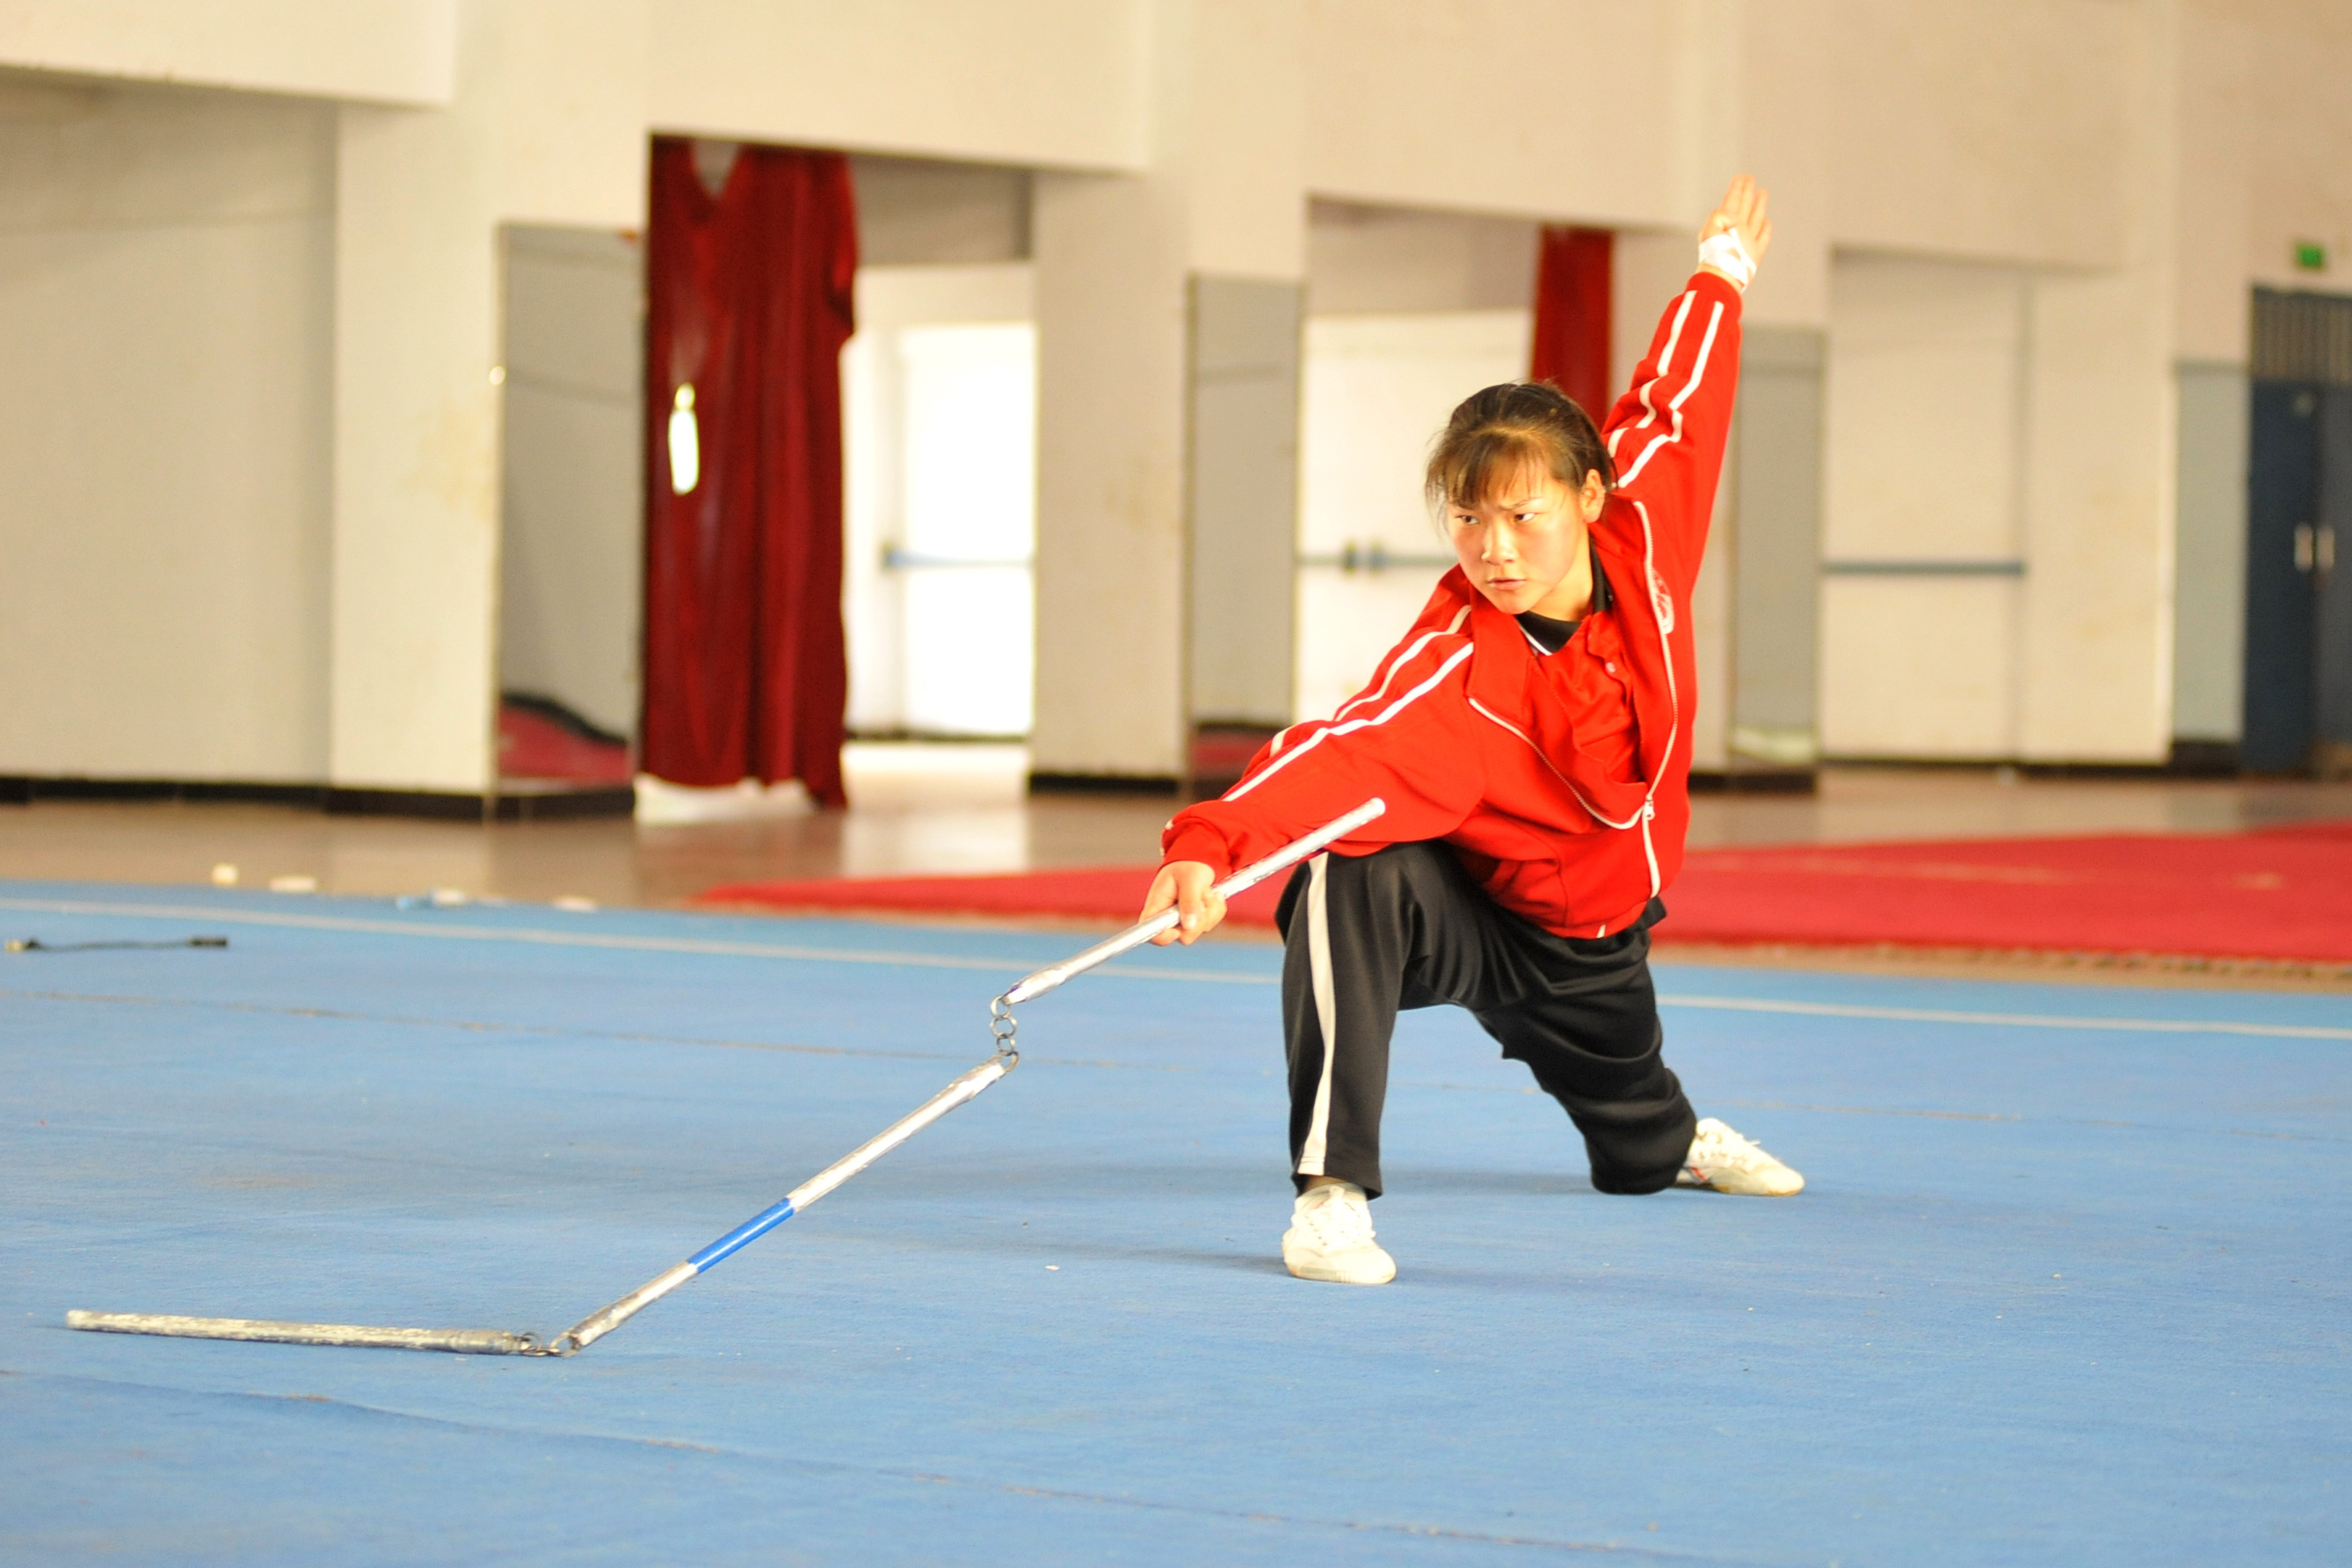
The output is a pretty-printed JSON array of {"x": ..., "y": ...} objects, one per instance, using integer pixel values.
[
  {"x": 1572, "y": 299},
  {"x": 746, "y": 671}
]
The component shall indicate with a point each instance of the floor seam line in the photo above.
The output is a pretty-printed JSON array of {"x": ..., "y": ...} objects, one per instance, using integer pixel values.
[{"x": 1577, "y": 1548}]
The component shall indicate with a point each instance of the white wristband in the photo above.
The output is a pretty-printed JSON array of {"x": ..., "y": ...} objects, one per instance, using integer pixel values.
[{"x": 1728, "y": 256}]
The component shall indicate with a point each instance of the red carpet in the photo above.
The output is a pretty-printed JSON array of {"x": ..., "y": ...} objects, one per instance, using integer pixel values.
[
  {"x": 2282, "y": 894},
  {"x": 536, "y": 745},
  {"x": 2285, "y": 893}
]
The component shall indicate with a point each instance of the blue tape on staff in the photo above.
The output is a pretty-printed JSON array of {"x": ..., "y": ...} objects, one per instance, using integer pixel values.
[{"x": 751, "y": 1230}]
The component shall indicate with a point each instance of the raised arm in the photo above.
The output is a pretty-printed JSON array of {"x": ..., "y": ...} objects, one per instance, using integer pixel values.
[{"x": 1666, "y": 434}]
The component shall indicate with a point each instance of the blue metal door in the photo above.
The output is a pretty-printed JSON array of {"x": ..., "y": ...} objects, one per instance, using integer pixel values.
[
  {"x": 2282, "y": 558},
  {"x": 2331, "y": 577}
]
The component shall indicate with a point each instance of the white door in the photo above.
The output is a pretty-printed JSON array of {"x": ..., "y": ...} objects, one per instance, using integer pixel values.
[{"x": 939, "y": 414}]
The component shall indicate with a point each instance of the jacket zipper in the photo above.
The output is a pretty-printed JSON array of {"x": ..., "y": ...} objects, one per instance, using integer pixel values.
[{"x": 1663, "y": 615}]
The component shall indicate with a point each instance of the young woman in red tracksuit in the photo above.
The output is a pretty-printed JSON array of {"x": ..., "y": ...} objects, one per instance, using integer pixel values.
[{"x": 1531, "y": 736}]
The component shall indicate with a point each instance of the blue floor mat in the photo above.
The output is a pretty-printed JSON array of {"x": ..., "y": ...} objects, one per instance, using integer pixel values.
[{"x": 2068, "y": 1283}]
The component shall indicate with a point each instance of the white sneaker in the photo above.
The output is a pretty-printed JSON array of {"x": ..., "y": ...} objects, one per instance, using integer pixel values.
[
  {"x": 1331, "y": 1238},
  {"x": 1724, "y": 1162}
]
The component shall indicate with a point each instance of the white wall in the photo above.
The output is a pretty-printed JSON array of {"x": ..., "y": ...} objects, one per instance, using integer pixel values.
[
  {"x": 562, "y": 127},
  {"x": 416, "y": 451},
  {"x": 389, "y": 51},
  {"x": 1374, "y": 260},
  {"x": 1926, "y": 374},
  {"x": 1980, "y": 128},
  {"x": 1115, "y": 259},
  {"x": 2221, "y": 114},
  {"x": 1989, "y": 129},
  {"x": 1535, "y": 112},
  {"x": 2096, "y": 647},
  {"x": 165, "y": 280},
  {"x": 2100, "y": 507},
  {"x": 1233, "y": 125},
  {"x": 420, "y": 197},
  {"x": 1999, "y": 413},
  {"x": 1110, "y": 455},
  {"x": 1926, "y": 424},
  {"x": 1053, "y": 83},
  {"x": 2294, "y": 55}
]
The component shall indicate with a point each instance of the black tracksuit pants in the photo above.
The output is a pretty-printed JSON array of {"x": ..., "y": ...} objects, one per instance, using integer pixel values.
[{"x": 1406, "y": 927}]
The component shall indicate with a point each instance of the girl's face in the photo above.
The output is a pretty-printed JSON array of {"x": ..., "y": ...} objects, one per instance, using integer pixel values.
[{"x": 1523, "y": 544}]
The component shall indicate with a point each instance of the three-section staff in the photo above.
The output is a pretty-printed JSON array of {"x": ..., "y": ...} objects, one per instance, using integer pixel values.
[{"x": 966, "y": 1087}]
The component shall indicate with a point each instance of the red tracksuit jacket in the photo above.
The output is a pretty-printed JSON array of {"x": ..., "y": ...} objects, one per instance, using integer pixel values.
[{"x": 1464, "y": 730}]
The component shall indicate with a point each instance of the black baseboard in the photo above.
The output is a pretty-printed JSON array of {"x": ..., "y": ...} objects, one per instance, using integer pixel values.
[
  {"x": 1160, "y": 785},
  {"x": 898, "y": 734},
  {"x": 556, "y": 805},
  {"x": 433, "y": 805},
  {"x": 25, "y": 789},
  {"x": 534, "y": 806},
  {"x": 1755, "y": 781},
  {"x": 2172, "y": 767},
  {"x": 2204, "y": 759},
  {"x": 2187, "y": 758}
]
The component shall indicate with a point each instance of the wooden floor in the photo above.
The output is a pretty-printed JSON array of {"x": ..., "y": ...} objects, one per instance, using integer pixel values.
[{"x": 962, "y": 808}]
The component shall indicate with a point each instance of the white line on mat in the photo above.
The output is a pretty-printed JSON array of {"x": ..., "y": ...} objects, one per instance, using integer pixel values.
[
  {"x": 1011, "y": 967},
  {"x": 2011, "y": 1020},
  {"x": 539, "y": 937}
]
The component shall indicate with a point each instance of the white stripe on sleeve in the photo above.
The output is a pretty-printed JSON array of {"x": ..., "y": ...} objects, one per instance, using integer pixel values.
[
  {"x": 1698, "y": 373},
  {"x": 1399, "y": 662},
  {"x": 1352, "y": 726},
  {"x": 1665, "y": 363}
]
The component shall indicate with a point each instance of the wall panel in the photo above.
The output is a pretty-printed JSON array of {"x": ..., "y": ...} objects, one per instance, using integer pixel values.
[
  {"x": 1918, "y": 668},
  {"x": 164, "y": 289},
  {"x": 1055, "y": 83}
]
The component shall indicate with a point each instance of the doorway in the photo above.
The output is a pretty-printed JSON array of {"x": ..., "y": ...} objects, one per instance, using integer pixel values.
[
  {"x": 2298, "y": 680},
  {"x": 939, "y": 395},
  {"x": 571, "y": 509}
]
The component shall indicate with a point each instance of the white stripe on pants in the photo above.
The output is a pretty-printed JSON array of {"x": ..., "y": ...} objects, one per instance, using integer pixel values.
[{"x": 1327, "y": 1014}]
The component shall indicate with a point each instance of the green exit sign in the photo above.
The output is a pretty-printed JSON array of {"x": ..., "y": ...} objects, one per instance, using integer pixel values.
[{"x": 2310, "y": 255}]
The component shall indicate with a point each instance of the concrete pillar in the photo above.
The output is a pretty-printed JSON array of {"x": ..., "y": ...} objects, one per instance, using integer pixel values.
[
  {"x": 416, "y": 447},
  {"x": 1109, "y": 258},
  {"x": 1167, "y": 313},
  {"x": 546, "y": 124},
  {"x": 2219, "y": 109},
  {"x": 2096, "y": 633}
]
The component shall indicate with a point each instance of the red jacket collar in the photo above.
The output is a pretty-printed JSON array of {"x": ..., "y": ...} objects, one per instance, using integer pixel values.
[{"x": 1503, "y": 679}]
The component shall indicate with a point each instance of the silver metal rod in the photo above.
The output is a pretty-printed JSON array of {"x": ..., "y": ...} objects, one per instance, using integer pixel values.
[
  {"x": 464, "y": 1342},
  {"x": 604, "y": 1320},
  {"x": 597, "y": 1324},
  {"x": 964, "y": 1090},
  {"x": 1249, "y": 876}
]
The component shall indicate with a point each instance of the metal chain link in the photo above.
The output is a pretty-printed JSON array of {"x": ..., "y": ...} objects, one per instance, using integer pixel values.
[{"x": 1002, "y": 1029}]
